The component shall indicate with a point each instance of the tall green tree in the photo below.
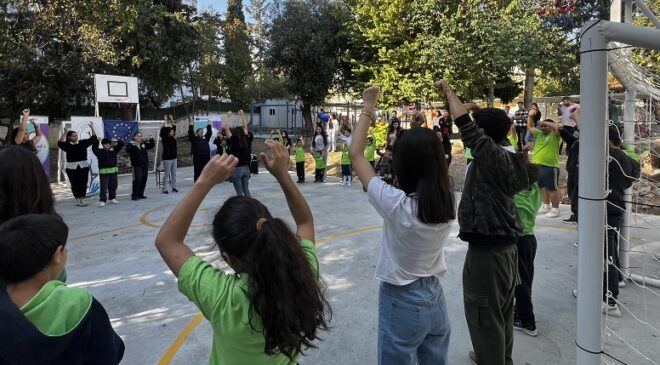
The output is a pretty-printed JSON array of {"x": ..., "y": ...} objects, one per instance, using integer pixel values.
[
  {"x": 306, "y": 44},
  {"x": 238, "y": 61}
]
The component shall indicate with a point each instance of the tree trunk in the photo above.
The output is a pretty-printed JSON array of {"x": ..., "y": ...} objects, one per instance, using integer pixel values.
[
  {"x": 491, "y": 96},
  {"x": 529, "y": 87},
  {"x": 308, "y": 121}
]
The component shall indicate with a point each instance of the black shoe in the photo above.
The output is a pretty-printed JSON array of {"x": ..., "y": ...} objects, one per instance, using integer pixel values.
[
  {"x": 174, "y": 190},
  {"x": 529, "y": 329},
  {"x": 143, "y": 197},
  {"x": 165, "y": 192},
  {"x": 134, "y": 198},
  {"x": 570, "y": 220}
]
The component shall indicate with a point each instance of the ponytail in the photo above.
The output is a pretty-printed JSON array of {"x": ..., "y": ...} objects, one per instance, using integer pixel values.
[{"x": 283, "y": 287}]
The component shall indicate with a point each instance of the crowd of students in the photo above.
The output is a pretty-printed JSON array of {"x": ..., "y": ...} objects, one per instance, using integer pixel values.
[{"x": 273, "y": 307}]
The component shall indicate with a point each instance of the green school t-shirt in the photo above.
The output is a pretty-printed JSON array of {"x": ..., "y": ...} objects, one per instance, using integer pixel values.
[
  {"x": 546, "y": 149},
  {"x": 468, "y": 153},
  {"x": 370, "y": 152},
  {"x": 320, "y": 164},
  {"x": 528, "y": 203},
  {"x": 345, "y": 158},
  {"x": 223, "y": 301},
  {"x": 513, "y": 139},
  {"x": 300, "y": 154}
]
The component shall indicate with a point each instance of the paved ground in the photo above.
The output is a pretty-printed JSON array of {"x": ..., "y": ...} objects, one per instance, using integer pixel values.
[{"x": 111, "y": 253}]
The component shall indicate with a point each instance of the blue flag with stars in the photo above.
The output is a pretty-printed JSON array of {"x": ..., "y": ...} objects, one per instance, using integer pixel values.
[{"x": 123, "y": 130}]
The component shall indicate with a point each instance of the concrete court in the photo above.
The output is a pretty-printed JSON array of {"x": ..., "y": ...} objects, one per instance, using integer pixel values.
[{"x": 112, "y": 253}]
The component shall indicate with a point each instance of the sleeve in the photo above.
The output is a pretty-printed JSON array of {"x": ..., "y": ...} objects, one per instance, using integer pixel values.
[
  {"x": 309, "y": 249},
  {"x": 204, "y": 285},
  {"x": 163, "y": 132},
  {"x": 191, "y": 133},
  {"x": 95, "y": 149},
  {"x": 102, "y": 346},
  {"x": 150, "y": 144},
  {"x": 130, "y": 149},
  {"x": 174, "y": 128},
  {"x": 64, "y": 146},
  {"x": 89, "y": 141},
  {"x": 119, "y": 146},
  {"x": 209, "y": 133},
  {"x": 383, "y": 197}
]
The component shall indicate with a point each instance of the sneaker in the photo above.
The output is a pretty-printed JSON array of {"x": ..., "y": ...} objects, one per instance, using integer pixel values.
[
  {"x": 545, "y": 208},
  {"x": 135, "y": 198},
  {"x": 622, "y": 284},
  {"x": 101, "y": 204},
  {"x": 165, "y": 192},
  {"x": 570, "y": 220},
  {"x": 343, "y": 181},
  {"x": 175, "y": 190},
  {"x": 114, "y": 201},
  {"x": 611, "y": 310},
  {"x": 82, "y": 203},
  {"x": 553, "y": 213},
  {"x": 574, "y": 292},
  {"x": 529, "y": 329},
  {"x": 473, "y": 358},
  {"x": 142, "y": 197}
]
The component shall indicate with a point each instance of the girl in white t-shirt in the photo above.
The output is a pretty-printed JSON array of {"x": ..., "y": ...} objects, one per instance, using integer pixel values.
[{"x": 413, "y": 326}]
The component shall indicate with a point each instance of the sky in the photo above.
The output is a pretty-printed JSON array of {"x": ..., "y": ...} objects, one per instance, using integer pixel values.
[{"x": 218, "y": 5}]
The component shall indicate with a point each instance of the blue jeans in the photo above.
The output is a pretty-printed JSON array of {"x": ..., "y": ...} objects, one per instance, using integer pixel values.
[
  {"x": 169, "y": 171},
  {"x": 241, "y": 181},
  {"x": 413, "y": 325}
]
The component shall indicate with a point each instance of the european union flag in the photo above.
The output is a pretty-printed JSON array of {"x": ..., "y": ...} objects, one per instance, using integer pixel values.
[{"x": 123, "y": 130}]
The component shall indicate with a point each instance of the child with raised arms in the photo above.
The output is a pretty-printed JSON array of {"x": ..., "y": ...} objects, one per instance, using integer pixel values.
[
  {"x": 413, "y": 324},
  {"x": 273, "y": 307}
]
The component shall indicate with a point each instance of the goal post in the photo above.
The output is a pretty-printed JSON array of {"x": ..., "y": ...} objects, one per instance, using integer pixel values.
[{"x": 594, "y": 40}]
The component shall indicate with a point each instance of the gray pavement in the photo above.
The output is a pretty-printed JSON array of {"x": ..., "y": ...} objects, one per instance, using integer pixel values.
[{"x": 111, "y": 253}]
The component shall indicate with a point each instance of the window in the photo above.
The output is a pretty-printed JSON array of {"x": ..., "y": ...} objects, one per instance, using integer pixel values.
[{"x": 271, "y": 112}]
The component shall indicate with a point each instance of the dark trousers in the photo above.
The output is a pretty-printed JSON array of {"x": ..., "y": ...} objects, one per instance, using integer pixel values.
[
  {"x": 199, "y": 161},
  {"x": 611, "y": 276},
  {"x": 446, "y": 146},
  {"x": 346, "y": 170},
  {"x": 521, "y": 131},
  {"x": 318, "y": 175},
  {"x": 300, "y": 170},
  {"x": 490, "y": 276},
  {"x": 571, "y": 131},
  {"x": 108, "y": 185},
  {"x": 572, "y": 190},
  {"x": 372, "y": 163},
  {"x": 78, "y": 179},
  {"x": 526, "y": 252},
  {"x": 140, "y": 174}
]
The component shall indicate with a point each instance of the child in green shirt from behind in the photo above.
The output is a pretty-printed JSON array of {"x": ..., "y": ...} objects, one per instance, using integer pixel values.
[
  {"x": 299, "y": 152},
  {"x": 272, "y": 308},
  {"x": 527, "y": 203}
]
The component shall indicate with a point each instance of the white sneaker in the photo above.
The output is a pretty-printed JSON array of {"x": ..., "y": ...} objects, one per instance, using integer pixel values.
[
  {"x": 622, "y": 284},
  {"x": 545, "y": 208},
  {"x": 343, "y": 181},
  {"x": 114, "y": 201},
  {"x": 611, "y": 310},
  {"x": 82, "y": 203},
  {"x": 101, "y": 204},
  {"x": 553, "y": 213},
  {"x": 350, "y": 180}
]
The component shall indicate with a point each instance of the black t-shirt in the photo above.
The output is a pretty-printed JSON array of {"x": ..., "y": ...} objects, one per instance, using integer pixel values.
[{"x": 242, "y": 153}]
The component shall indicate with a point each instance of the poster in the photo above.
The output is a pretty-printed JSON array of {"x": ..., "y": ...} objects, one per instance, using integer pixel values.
[
  {"x": 82, "y": 127},
  {"x": 216, "y": 126}
]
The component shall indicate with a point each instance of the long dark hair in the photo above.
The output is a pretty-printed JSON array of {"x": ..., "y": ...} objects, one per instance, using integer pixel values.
[
  {"x": 27, "y": 144},
  {"x": 325, "y": 137},
  {"x": 391, "y": 128},
  {"x": 418, "y": 161},
  {"x": 239, "y": 132},
  {"x": 24, "y": 186},
  {"x": 283, "y": 288}
]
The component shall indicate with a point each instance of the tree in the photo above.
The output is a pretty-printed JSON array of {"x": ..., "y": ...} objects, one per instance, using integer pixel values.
[
  {"x": 238, "y": 61},
  {"x": 305, "y": 47},
  {"x": 647, "y": 58}
]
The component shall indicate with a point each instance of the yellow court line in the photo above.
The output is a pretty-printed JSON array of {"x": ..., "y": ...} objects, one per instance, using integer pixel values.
[
  {"x": 101, "y": 232},
  {"x": 190, "y": 327}
]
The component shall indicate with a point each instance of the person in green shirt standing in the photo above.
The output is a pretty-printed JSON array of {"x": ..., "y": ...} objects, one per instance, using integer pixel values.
[
  {"x": 320, "y": 166},
  {"x": 545, "y": 153},
  {"x": 272, "y": 308},
  {"x": 346, "y": 173},
  {"x": 527, "y": 203},
  {"x": 299, "y": 152},
  {"x": 370, "y": 151}
]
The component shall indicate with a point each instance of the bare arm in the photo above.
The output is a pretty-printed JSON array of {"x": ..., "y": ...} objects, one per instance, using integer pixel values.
[
  {"x": 63, "y": 136},
  {"x": 456, "y": 106},
  {"x": 22, "y": 129},
  {"x": 170, "y": 238},
  {"x": 227, "y": 126},
  {"x": 279, "y": 168},
  {"x": 245, "y": 123},
  {"x": 530, "y": 122},
  {"x": 362, "y": 167},
  {"x": 37, "y": 131}
]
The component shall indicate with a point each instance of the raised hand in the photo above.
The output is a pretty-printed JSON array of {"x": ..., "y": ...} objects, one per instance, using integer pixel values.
[
  {"x": 220, "y": 168},
  {"x": 370, "y": 95},
  {"x": 278, "y": 165},
  {"x": 26, "y": 112},
  {"x": 240, "y": 112}
]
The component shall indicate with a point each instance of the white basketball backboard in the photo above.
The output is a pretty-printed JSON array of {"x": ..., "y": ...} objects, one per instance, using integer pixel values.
[{"x": 116, "y": 89}]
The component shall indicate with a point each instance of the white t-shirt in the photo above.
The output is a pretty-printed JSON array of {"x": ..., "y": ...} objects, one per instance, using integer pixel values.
[
  {"x": 320, "y": 146},
  {"x": 410, "y": 249},
  {"x": 332, "y": 125},
  {"x": 566, "y": 112}
]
